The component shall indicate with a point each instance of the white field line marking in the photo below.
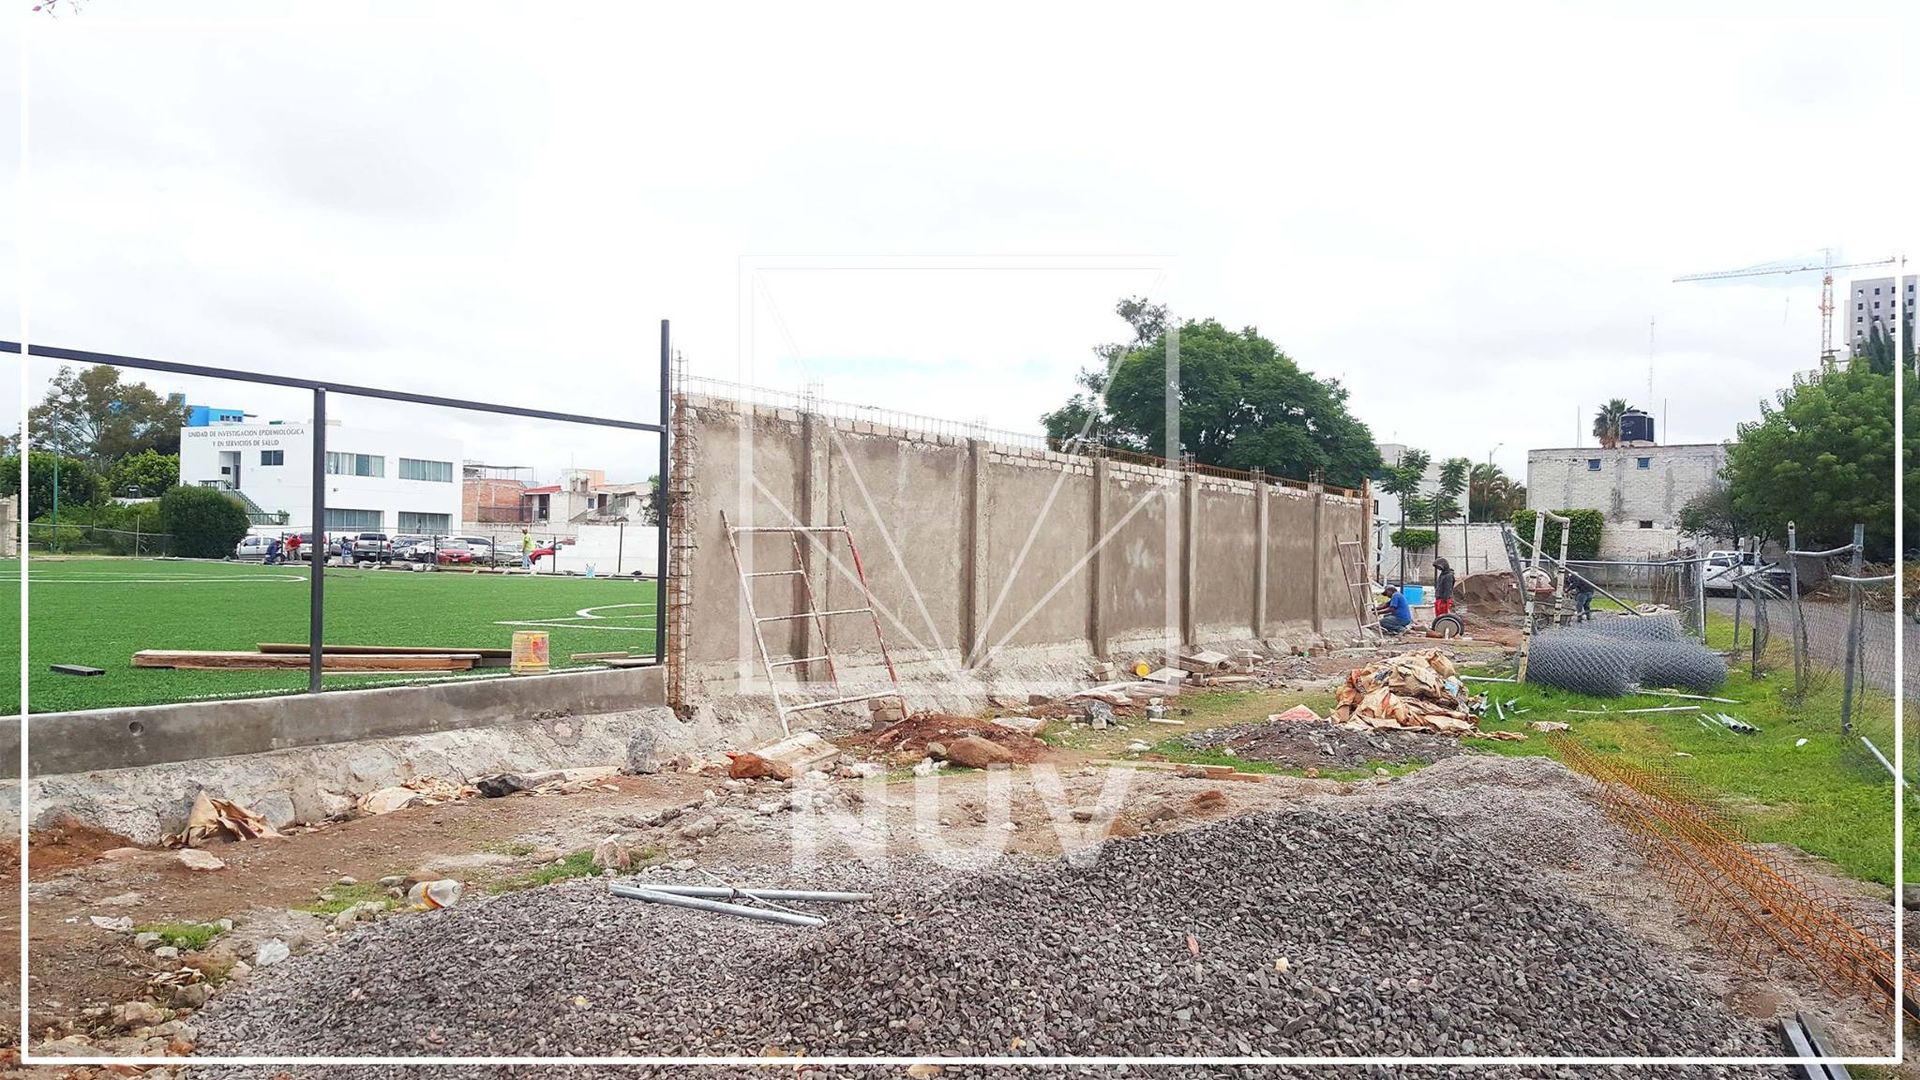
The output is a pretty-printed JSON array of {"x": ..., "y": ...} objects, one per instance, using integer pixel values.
[
  {"x": 585, "y": 618},
  {"x": 39, "y": 580}
]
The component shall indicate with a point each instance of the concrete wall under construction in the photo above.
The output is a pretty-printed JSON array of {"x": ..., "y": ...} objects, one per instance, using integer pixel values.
[{"x": 979, "y": 553}]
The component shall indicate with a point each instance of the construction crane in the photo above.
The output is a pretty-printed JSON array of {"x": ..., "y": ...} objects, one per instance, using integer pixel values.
[{"x": 1826, "y": 267}]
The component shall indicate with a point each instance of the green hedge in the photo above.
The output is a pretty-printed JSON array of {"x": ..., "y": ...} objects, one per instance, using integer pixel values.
[
  {"x": 1582, "y": 543},
  {"x": 1415, "y": 539},
  {"x": 205, "y": 523}
]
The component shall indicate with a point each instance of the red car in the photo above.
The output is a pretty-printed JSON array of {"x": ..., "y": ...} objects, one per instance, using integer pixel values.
[{"x": 455, "y": 555}]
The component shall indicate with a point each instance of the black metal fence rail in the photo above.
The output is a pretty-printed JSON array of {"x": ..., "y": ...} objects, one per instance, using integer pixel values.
[{"x": 316, "y": 625}]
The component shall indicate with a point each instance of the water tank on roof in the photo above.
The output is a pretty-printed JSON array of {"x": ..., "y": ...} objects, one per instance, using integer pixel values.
[{"x": 1636, "y": 427}]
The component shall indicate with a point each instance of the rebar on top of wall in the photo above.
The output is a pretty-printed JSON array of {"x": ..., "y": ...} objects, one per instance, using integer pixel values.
[
  {"x": 1756, "y": 908},
  {"x": 679, "y": 494}
]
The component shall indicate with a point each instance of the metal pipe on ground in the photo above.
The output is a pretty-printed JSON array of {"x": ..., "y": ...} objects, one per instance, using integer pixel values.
[
  {"x": 789, "y": 918},
  {"x": 724, "y": 892}
]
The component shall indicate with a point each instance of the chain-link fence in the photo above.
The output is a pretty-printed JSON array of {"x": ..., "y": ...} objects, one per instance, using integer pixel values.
[
  {"x": 1838, "y": 618},
  {"x": 44, "y": 538}
]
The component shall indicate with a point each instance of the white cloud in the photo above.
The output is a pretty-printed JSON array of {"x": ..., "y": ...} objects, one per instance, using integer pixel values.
[{"x": 1469, "y": 217}]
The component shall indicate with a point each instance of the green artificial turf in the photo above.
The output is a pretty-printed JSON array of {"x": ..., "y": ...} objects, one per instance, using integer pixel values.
[{"x": 100, "y": 611}]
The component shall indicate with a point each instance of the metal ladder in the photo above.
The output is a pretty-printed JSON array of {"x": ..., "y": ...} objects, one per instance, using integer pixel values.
[
  {"x": 1353, "y": 567},
  {"x": 768, "y": 662}
]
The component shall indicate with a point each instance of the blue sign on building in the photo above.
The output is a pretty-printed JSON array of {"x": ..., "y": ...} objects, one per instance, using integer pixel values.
[{"x": 205, "y": 415}]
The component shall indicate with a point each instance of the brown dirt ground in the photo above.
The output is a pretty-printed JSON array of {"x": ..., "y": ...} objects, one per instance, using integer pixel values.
[{"x": 910, "y": 737}]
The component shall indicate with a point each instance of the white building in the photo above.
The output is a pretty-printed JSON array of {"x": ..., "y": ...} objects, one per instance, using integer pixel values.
[{"x": 377, "y": 481}]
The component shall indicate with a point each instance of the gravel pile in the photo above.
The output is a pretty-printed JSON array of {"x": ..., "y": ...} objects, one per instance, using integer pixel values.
[
  {"x": 1361, "y": 929},
  {"x": 1325, "y": 746}
]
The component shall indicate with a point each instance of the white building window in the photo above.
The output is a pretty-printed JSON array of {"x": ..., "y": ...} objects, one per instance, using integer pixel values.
[
  {"x": 273, "y": 457},
  {"x": 417, "y": 469},
  {"x": 1643, "y": 463},
  {"x": 356, "y": 464},
  {"x": 1645, "y": 524},
  {"x": 352, "y": 519},
  {"x": 431, "y": 524},
  {"x": 1593, "y": 464}
]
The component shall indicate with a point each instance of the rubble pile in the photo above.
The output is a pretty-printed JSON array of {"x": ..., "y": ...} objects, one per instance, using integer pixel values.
[{"x": 1418, "y": 691}]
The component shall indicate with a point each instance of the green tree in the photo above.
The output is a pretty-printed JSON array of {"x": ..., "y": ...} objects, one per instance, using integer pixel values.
[
  {"x": 1453, "y": 482},
  {"x": 1242, "y": 404},
  {"x": 1493, "y": 495},
  {"x": 1606, "y": 422},
  {"x": 145, "y": 475},
  {"x": 1402, "y": 481},
  {"x": 79, "y": 484},
  {"x": 89, "y": 413},
  {"x": 1084, "y": 420},
  {"x": 1820, "y": 456},
  {"x": 1877, "y": 348},
  {"x": 1711, "y": 515},
  {"x": 205, "y": 523}
]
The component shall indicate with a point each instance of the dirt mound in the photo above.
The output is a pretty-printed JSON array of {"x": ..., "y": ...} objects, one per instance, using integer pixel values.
[
  {"x": 909, "y": 737},
  {"x": 1490, "y": 592},
  {"x": 71, "y": 842}
]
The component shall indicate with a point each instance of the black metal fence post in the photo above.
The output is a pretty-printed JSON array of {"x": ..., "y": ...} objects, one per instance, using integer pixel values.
[
  {"x": 317, "y": 594},
  {"x": 660, "y": 495}
]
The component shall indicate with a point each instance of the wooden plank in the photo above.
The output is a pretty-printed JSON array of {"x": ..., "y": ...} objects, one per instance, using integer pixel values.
[
  {"x": 583, "y": 656},
  {"x": 198, "y": 660},
  {"x": 631, "y": 661},
  {"x": 74, "y": 669},
  {"x": 278, "y": 647}
]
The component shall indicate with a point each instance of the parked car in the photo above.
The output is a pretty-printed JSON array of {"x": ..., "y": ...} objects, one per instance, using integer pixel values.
[
  {"x": 1725, "y": 568},
  {"x": 252, "y": 548},
  {"x": 479, "y": 546},
  {"x": 454, "y": 551},
  {"x": 372, "y": 547},
  {"x": 406, "y": 543}
]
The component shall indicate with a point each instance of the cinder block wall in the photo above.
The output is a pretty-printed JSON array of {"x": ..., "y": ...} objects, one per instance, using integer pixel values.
[{"x": 977, "y": 553}]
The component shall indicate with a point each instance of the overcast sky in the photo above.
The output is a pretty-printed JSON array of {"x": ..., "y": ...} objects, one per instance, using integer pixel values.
[{"x": 1468, "y": 214}]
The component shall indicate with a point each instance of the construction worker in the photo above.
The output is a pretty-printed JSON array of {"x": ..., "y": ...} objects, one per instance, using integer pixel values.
[
  {"x": 1442, "y": 587},
  {"x": 526, "y": 549},
  {"x": 1582, "y": 590},
  {"x": 1395, "y": 613}
]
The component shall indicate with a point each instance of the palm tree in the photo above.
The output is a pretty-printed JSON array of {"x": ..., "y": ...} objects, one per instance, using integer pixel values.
[
  {"x": 1493, "y": 495},
  {"x": 1606, "y": 422}
]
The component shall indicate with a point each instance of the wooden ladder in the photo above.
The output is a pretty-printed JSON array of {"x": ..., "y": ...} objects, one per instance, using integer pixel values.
[
  {"x": 820, "y": 536},
  {"x": 1353, "y": 567}
]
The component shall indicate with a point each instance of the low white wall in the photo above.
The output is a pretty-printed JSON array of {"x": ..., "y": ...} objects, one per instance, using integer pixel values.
[
  {"x": 609, "y": 551},
  {"x": 1477, "y": 551}
]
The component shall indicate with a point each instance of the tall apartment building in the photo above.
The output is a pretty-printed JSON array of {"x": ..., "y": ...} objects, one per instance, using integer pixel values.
[{"x": 1873, "y": 301}]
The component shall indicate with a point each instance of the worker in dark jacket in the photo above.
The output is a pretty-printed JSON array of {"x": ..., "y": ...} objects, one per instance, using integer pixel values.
[
  {"x": 1442, "y": 588},
  {"x": 1582, "y": 590}
]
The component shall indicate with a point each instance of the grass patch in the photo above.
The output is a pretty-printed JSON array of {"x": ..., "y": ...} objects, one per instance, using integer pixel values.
[
  {"x": 1826, "y": 795},
  {"x": 345, "y": 896},
  {"x": 100, "y": 611},
  {"x": 187, "y": 937},
  {"x": 577, "y": 865}
]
